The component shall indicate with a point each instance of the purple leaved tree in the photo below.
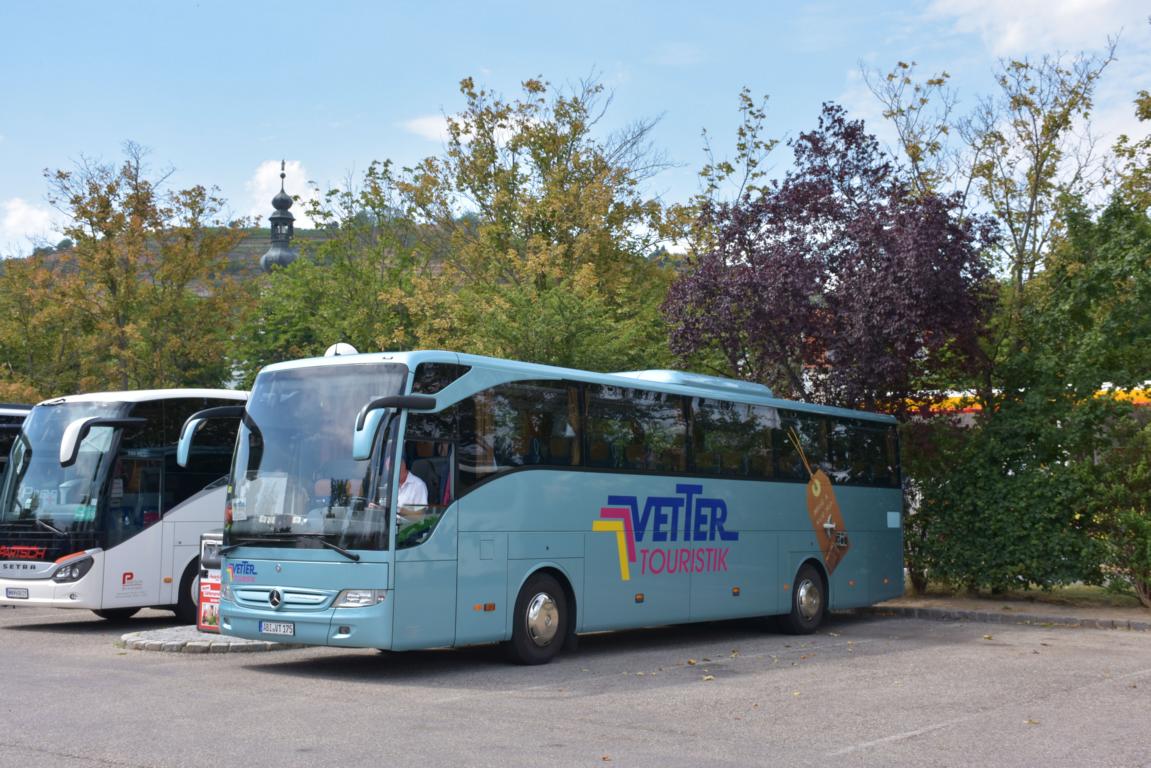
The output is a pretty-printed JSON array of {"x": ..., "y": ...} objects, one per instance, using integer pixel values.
[{"x": 839, "y": 284}]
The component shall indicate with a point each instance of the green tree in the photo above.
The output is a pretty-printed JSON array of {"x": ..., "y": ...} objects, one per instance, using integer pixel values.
[
  {"x": 549, "y": 243},
  {"x": 1122, "y": 499},
  {"x": 1048, "y": 488},
  {"x": 1132, "y": 167},
  {"x": 372, "y": 246},
  {"x": 140, "y": 300},
  {"x": 39, "y": 342}
]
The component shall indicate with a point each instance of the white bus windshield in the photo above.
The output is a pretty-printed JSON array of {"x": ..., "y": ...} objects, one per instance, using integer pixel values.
[
  {"x": 38, "y": 489},
  {"x": 293, "y": 478}
]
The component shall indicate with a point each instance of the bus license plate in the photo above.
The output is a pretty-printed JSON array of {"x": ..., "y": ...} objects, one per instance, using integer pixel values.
[
  {"x": 277, "y": 628},
  {"x": 16, "y": 593}
]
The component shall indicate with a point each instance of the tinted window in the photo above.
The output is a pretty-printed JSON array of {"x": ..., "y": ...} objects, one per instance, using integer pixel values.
[
  {"x": 430, "y": 378},
  {"x": 801, "y": 446},
  {"x": 135, "y": 491},
  {"x": 635, "y": 429},
  {"x": 733, "y": 439},
  {"x": 211, "y": 455},
  {"x": 850, "y": 451}
]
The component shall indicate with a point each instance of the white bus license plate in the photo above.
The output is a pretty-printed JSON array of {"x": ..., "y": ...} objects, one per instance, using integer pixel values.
[
  {"x": 16, "y": 593},
  {"x": 277, "y": 628}
]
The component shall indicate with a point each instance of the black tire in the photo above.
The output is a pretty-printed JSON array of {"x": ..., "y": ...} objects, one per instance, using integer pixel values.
[
  {"x": 540, "y": 621},
  {"x": 808, "y": 602},
  {"x": 116, "y": 614},
  {"x": 187, "y": 608}
]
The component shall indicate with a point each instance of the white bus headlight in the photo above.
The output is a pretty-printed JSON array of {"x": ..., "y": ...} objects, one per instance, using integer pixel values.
[
  {"x": 73, "y": 570},
  {"x": 360, "y": 598}
]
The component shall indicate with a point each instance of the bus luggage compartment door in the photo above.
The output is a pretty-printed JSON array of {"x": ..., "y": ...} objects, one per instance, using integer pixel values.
[
  {"x": 481, "y": 615},
  {"x": 425, "y": 601}
]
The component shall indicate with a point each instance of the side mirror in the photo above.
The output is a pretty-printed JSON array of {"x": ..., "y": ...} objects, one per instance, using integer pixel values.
[
  {"x": 77, "y": 430},
  {"x": 369, "y": 418},
  {"x": 195, "y": 421}
]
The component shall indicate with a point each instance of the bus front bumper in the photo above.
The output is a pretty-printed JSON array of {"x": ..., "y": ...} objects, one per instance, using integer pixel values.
[
  {"x": 82, "y": 593},
  {"x": 367, "y": 627}
]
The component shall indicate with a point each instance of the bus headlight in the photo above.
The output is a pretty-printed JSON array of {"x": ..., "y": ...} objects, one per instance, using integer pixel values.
[
  {"x": 360, "y": 598},
  {"x": 226, "y": 593},
  {"x": 73, "y": 570}
]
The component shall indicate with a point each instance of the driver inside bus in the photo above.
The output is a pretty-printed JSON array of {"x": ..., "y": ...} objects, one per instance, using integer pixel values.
[{"x": 413, "y": 496}]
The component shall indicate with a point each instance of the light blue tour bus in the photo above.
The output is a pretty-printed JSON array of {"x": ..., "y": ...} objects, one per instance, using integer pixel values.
[{"x": 549, "y": 502}]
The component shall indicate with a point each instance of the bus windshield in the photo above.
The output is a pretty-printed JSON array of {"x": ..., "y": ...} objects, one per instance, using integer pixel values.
[
  {"x": 294, "y": 481},
  {"x": 38, "y": 490}
]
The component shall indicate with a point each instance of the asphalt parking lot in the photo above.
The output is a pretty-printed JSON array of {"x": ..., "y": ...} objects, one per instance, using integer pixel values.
[{"x": 868, "y": 690}]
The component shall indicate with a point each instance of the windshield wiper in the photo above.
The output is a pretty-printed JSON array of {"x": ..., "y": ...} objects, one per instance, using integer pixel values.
[
  {"x": 319, "y": 537},
  {"x": 50, "y": 527},
  {"x": 298, "y": 537}
]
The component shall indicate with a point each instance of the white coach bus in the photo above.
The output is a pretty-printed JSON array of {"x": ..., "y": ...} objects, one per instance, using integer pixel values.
[{"x": 95, "y": 512}]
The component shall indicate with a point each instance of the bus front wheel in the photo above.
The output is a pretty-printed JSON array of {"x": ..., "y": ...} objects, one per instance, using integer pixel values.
[
  {"x": 808, "y": 602},
  {"x": 540, "y": 622}
]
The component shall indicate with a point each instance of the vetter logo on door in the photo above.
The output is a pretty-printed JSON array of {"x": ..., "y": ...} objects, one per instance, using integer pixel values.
[
  {"x": 690, "y": 517},
  {"x": 242, "y": 572}
]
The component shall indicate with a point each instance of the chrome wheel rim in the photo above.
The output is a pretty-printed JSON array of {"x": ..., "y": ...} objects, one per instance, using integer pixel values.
[
  {"x": 808, "y": 599},
  {"x": 542, "y": 619}
]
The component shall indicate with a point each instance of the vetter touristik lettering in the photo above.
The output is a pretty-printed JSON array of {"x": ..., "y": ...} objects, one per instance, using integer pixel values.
[
  {"x": 242, "y": 572},
  {"x": 688, "y": 517}
]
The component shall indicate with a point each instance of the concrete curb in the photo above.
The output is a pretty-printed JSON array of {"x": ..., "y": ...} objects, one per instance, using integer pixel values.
[
  {"x": 191, "y": 640},
  {"x": 952, "y": 614}
]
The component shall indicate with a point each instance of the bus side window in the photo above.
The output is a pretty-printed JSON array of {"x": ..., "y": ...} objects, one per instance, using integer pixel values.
[
  {"x": 610, "y": 426},
  {"x": 432, "y": 440},
  {"x": 211, "y": 455},
  {"x": 135, "y": 487}
]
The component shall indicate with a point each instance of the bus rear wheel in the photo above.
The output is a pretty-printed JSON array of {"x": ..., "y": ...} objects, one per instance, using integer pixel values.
[
  {"x": 116, "y": 614},
  {"x": 808, "y": 602},
  {"x": 540, "y": 621},
  {"x": 187, "y": 608}
]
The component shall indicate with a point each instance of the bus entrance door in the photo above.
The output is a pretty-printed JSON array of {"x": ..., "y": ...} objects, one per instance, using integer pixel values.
[{"x": 425, "y": 591}]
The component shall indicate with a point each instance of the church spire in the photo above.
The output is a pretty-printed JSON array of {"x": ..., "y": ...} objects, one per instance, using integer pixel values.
[{"x": 281, "y": 222}]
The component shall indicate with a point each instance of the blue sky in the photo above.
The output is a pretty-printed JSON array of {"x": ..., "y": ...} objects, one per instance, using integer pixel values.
[{"x": 220, "y": 91}]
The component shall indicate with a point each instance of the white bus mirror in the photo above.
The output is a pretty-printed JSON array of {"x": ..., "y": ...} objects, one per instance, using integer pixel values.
[
  {"x": 78, "y": 429},
  {"x": 365, "y": 436},
  {"x": 184, "y": 447},
  {"x": 197, "y": 420},
  {"x": 369, "y": 418}
]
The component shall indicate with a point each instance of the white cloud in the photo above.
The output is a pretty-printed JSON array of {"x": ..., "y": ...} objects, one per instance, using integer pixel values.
[
  {"x": 24, "y": 225},
  {"x": 1020, "y": 27},
  {"x": 430, "y": 127},
  {"x": 264, "y": 184}
]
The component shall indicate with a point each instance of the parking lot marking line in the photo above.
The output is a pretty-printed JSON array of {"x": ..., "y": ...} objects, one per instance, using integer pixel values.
[
  {"x": 956, "y": 721},
  {"x": 905, "y": 735}
]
